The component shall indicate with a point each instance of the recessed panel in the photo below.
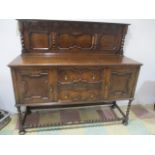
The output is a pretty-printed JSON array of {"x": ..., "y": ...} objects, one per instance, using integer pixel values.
[
  {"x": 120, "y": 84},
  {"x": 65, "y": 41},
  {"x": 39, "y": 41},
  {"x": 82, "y": 41},
  {"x": 34, "y": 86},
  {"x": 108, "y": 42}
]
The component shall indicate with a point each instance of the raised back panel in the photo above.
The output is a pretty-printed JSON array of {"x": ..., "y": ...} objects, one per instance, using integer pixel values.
[{"x": 46, "y": 36}]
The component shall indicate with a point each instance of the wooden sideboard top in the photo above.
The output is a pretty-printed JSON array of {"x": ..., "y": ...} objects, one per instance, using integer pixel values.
[{"x": 71, "y": 60}]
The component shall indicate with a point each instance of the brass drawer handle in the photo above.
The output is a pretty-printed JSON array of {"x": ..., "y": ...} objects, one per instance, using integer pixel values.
[
  {"x": 66, "y": 78},
  {"x": 50, "y": 89},
  {"x": 93, "y": 77},
  {"x": 66, "y": 97},
  {"x": 92, "y": 96}
]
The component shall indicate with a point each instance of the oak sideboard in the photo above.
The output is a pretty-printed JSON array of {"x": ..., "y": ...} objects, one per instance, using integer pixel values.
[{"x": 72, "y": 63}]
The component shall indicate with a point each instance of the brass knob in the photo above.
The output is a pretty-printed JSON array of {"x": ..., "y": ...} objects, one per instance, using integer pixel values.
[
  {"x": 66, "y": 96},
  {"x": 92, "y": 96},
  {"x": 93, "y": 77},
  {"x": 51, "y": 89},
  {"x": 66, "y": 78}
]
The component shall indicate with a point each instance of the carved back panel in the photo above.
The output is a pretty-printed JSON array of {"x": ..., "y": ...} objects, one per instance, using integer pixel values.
[{"x": 46, "y": 36}]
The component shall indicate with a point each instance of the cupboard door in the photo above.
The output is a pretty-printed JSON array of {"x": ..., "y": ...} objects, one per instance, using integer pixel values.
[
  {"x": 34, "y": 86},
  {"x": 121, "y": 83}
]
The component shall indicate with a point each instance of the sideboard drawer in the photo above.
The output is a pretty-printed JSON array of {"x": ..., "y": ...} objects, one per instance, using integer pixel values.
[
  {"x": 79, "y": 91},
  {"x": 78, "y": 95},
  {"x": 67, "y": 75}
]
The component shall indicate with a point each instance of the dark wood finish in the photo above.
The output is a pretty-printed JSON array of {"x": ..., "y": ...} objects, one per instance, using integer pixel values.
[
  {"x": 67, "y": 59},
  {"x": 34, "y": 85},
  {"x": 72, "y": 36},
  {"x": 71, "y": 63}
]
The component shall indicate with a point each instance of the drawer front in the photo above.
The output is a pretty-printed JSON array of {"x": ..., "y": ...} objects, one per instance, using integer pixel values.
[
  {"x": 78, "y": 95},
  {"x": 33, "y": 85},
  {"x": 68, "y": 75}
]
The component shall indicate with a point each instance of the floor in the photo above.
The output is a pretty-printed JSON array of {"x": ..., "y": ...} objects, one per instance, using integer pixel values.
[{"x": 141, "y": 122}]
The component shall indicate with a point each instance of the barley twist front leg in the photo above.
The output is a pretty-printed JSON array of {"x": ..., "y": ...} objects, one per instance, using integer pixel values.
[
  {"x": 20, "y": 120},
  {"x": 125, "y": 121}
]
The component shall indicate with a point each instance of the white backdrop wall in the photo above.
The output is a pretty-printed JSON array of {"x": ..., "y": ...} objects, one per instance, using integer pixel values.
[{"x": 139, "y": 45}]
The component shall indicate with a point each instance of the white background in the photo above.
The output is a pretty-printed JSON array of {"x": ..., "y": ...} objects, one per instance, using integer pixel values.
[{"x": 139, "y": 45}]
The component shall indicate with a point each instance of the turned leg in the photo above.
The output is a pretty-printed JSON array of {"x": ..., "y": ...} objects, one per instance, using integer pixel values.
[
  {"x": 125, "y": 121},
  {"x": 113, "y": 104},
  {"x": 28, "y": 110},
  {"x": 154, "y": 106},
  {"x": 20, "y": 120}
]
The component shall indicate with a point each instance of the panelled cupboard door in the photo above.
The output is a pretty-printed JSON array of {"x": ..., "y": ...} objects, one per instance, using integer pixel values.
[
  {"x": 122, "y": 81},
  {"x": 34, "y": 85}
]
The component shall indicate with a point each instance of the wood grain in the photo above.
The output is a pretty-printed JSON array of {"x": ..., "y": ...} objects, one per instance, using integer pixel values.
[{"x": 71, "y": 63}]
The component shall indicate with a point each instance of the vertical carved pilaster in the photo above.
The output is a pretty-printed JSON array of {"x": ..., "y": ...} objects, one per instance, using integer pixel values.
[
  {"x": 21, "y": 29},
  {"x": 20, "y": 121},
  {"x": 53, "y": 40},
  {"x": 123, "y": 39},
  {"x": 94, "y": 43}
]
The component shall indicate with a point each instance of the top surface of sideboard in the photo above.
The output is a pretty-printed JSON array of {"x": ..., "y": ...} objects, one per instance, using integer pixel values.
[{"x": 72, "y": 60}]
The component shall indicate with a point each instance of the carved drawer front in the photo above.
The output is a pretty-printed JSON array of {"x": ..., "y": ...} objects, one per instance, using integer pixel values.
[
  {"x": 121, "y": 83},
  {"x": 34, "y": 85},
  {"x": 79, "y": 91},
  {"x": 78, "y": 95},
  {"x": 68, "y": 75}
]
